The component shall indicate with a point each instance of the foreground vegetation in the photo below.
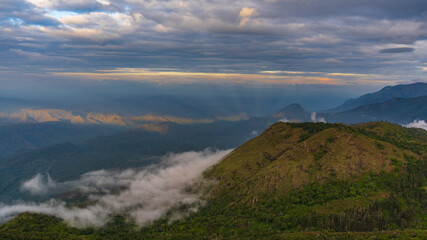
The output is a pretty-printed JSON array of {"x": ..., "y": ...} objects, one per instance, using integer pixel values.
[{"x": 294, "y": 181}]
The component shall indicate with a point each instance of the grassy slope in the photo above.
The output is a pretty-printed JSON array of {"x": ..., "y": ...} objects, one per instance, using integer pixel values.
[{"x": 294, "y": 181}]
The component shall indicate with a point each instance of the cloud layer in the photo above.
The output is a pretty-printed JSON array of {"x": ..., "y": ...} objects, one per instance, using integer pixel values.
[
  {"x": 331, "y": 36},
  {"x": 143, "y": 121},
  {"x": 143, "y": 194}
]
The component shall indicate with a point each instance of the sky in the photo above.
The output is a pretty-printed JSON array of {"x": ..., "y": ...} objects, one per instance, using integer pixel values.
[{"x": 86, "y": 48}]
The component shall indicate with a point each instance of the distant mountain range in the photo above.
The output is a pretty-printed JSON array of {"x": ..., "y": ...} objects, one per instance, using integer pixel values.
[
  {"x": 396, "y": 110},
  {"x": 346, "y": 113},
  {"x": 410, "y": 105},
  {"x": 387, "y": 93},
  {"x": 15, "y": 138}
]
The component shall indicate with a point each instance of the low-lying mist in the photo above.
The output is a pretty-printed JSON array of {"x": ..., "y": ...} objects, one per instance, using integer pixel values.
[
  {"x": 418, "y": 124},
  {"x": 144, "y": 194}
]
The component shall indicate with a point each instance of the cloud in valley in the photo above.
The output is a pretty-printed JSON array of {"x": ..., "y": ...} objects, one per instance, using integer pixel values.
[
  {"x": 145, "y": 194},
  {"x": 314, "y": 118},
  {"x": 39, "y": 185}
]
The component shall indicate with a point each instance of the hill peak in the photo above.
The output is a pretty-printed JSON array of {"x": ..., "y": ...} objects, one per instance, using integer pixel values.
[
  {"x": 293, "y": 112},
  {"x": 289, "y": 156}
]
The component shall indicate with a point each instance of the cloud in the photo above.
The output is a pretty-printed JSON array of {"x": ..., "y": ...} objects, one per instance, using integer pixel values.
[
  {"x": 165, "y": 77},
  {"x": 96, "y": 26},
  {"x": 266, "y": 77},
  {"x": 397, "y": 50},
  {"x": 77, "y": 5},
  {"x": 314, "y": 118},
  {"x": 146, "y": 194},
  {"x": 37, "y": 57},
  {"x": 320, "y": 39},
  {"x": 214, "y": 36},
  {"x": 39, "y": 185},
  {"x": 333, "y": 61},
  {"x": 59, "y": 115},
  {"x": 245, "y": 14},
  {"x": 417, "y": 124},
  {"x": 289, "y": 72}
]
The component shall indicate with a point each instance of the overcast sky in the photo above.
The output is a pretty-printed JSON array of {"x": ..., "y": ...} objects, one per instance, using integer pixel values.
[{"x": 351, "y": 43}]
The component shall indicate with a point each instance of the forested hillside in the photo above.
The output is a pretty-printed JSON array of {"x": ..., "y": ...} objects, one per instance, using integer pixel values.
[{"x": 295, "y": 180}]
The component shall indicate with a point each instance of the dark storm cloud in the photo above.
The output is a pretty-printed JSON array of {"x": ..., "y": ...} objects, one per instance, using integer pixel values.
[{"x": 397, "y": 50}]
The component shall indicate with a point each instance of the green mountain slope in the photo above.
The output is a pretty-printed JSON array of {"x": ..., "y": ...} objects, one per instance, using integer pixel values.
[{"x": 294, "y": 181}]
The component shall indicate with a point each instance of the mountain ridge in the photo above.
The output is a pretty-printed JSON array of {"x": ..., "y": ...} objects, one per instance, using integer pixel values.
[
  {"x": 387, "y": 93},
  {"x": 293, "y": 112},
  {"x": 22, "y": 137},
  {"x": 396, "y": 110}
]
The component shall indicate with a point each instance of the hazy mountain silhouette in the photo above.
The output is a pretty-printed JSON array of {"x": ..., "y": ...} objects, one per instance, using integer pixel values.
[{"x": 387, "y": 93}]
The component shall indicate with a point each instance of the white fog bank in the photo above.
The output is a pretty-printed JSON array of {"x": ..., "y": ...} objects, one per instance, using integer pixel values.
[
  {"x": 146, "y": 194},
  {"x": 417, "y": 124}
]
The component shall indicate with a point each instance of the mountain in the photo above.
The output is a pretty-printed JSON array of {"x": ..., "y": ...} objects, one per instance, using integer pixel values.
[
  {"x": 294, "y": 181},
  {"x": 400, "y": 104},
  {"x": 292, "y": 113},
  {"x": 21, "y": 137},
  {"x": 385, "y": 94},
  {"x": 141, "y": 146},
  {"x": 131, "y": 148},
  {"x": 396, "y": 110}
]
